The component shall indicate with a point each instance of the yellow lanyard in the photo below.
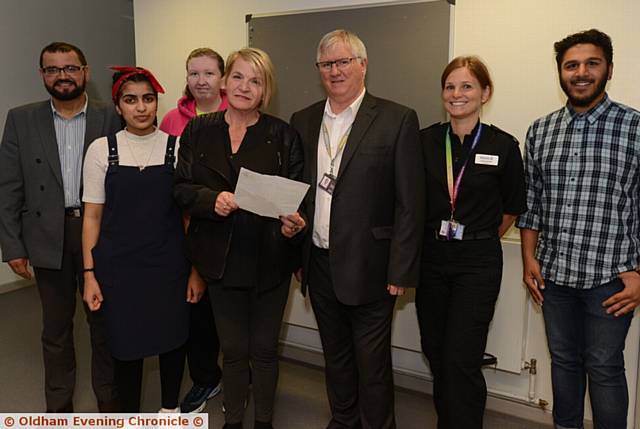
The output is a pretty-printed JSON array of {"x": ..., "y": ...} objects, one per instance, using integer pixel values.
[{"x": 327, "y": 144}]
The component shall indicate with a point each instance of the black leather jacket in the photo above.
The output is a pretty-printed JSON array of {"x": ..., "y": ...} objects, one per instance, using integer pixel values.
[{"x": 202, "y": 173}]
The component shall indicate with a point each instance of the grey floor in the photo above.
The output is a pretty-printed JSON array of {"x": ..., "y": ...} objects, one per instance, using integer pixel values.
[{"x": 300, "y": 403}]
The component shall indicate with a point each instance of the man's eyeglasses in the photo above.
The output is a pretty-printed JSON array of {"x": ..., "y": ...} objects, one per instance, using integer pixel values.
[
  {"x": 53, "y": 70},
  {"x": 341, "y": 63}
]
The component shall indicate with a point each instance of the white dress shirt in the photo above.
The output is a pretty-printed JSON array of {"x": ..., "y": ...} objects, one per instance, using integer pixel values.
[{"x": 336, "y": 126}]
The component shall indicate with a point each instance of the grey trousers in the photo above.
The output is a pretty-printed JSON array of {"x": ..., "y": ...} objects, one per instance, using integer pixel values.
[{"x": 58, "y": 292}]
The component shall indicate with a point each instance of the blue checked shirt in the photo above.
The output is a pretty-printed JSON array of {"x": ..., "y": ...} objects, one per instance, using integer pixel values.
[{"x": 583, "y": 193}]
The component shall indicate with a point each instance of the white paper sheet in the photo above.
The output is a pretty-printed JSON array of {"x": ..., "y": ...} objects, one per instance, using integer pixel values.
[{"x": 266, "y": 195}]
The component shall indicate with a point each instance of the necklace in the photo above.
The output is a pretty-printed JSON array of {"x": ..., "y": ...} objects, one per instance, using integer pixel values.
[{"x": 141, "y": 166}]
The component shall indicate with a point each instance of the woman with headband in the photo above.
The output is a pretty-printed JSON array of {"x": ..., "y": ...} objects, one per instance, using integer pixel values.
[
  {"x": 475, "y": 189},
  {"x": 246, "y": 259},
  {"x": 132, "y": 239}
]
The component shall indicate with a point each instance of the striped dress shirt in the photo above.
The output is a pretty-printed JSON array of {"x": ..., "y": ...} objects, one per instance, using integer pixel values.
[
  {"x": 70, "y": 138},
  {"x": 583, "y": 193}
]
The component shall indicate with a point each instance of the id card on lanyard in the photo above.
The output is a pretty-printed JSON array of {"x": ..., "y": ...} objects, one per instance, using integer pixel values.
[
  {"x": 450, "y": 228},
  {"x": 328, "y": 181}
]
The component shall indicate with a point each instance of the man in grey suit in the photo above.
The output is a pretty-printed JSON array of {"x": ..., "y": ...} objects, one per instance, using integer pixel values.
[
  {"x": 41, "y": 159},
  {"x": 365, "y": 212}
]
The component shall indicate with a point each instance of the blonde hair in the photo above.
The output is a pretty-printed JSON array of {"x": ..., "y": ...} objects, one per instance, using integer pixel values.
[{"x": 261, "y": 64}]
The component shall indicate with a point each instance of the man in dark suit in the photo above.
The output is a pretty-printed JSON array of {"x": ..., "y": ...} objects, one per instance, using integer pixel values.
[
  {"x": 365, "y": 214},
  {"x": 40, "y": 216}
]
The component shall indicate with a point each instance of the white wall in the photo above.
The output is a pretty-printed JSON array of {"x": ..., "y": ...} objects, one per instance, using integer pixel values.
[{"x": 515, "y": 37}]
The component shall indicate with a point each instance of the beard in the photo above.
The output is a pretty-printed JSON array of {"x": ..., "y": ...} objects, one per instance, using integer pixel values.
[
  {"x": 71, "y": 93},
  {"x": 587, "y": 99}
]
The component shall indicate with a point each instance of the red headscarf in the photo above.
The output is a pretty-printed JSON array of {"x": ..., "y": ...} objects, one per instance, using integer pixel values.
[{"x": 127, "y": 72}]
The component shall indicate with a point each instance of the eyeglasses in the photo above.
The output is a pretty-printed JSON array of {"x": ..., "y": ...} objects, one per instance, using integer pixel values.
[
  {"x": 54, "y": 71},
  {"x": 341, "y": 63}
]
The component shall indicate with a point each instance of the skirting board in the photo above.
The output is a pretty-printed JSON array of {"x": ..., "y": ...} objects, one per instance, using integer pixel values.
[
  {"x": 423, "y": 385},
  {"x": 11, "y": 286}
]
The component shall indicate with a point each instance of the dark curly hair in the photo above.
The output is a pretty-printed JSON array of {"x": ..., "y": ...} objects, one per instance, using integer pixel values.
[{"x": 593, "y": 37}]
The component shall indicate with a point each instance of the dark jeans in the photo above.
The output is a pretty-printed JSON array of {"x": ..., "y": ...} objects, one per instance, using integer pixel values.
[
  {"x": 58, "y": 292},
  {"x": 203, "y": 345},
  {"x": 455, "y": 304},
  {"x": 585, "y": 341},
  {"x": 248, "y": 325},
  {"x": 129, "y": 380},
  {"x": 356, "y": 341}
]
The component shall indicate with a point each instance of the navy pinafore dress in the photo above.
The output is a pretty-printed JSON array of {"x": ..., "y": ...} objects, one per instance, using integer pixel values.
[{"x": 139, "y": 259}]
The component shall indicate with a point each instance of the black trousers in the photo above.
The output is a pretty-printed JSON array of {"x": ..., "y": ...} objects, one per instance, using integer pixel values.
[
  {"x": 455, "y": 304},
  {"x": 128, "y": 374},
  {"x": 248, "y": 325},
  {"x": 356, "y": 340},
  {"x": 203, "y": 345},
  {"x": 58, "y": 290}
]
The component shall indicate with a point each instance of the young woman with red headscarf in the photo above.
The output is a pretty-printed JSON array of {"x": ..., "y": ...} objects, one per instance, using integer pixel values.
[{"x": 135, "y": 269}]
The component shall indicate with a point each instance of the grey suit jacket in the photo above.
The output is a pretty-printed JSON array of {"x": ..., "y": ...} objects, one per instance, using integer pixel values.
[
  {"x": 31, "y": 192},
  {"x": 377, "y": 209}
]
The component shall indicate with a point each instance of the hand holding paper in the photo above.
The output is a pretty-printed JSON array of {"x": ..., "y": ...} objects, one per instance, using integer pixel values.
[
  {"x": 292, "y": 224},
  {"x": 224, "y": 204}
]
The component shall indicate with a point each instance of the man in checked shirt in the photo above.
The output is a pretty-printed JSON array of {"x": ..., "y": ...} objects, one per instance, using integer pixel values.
[{"x": 581, "y": 235}]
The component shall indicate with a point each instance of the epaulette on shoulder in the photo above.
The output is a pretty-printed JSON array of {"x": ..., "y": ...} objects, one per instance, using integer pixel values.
[
  {"x": 504, "y": 133},
  {"x": 435, "y": 124},
  {"x": 432, "y": 128}
]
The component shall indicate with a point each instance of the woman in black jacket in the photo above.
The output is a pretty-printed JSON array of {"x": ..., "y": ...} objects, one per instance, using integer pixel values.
[{"x": 246, "y": 260}]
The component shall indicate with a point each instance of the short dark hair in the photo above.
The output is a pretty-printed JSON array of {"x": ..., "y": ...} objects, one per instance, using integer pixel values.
[
  {"x": 63, "y": 47},
  {"x": 593, "y": 37}
]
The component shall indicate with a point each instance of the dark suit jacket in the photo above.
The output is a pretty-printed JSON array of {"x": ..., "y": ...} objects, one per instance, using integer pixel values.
[
  {"x": 31, "y": 192},
  {"x": 377, "y": 209}
]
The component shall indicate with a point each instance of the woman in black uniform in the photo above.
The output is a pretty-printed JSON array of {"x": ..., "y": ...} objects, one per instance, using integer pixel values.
[
  {"x": 132, "y": 238},
  {"x": 246, "y": 259},
  {"x": 475, "y": 189}
]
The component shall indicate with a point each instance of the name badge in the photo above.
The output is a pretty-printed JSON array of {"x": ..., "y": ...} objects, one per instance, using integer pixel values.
[
  {"x": 451, "y": 229},
  {"x": 327, "y": 183},
  {"x": 484, "y": 159}
]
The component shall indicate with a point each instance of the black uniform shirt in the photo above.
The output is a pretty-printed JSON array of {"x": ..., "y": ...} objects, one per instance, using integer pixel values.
[{"x": 486, "y": 191}]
